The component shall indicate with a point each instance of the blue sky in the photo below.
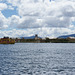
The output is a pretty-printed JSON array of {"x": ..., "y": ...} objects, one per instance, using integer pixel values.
[
  {"x": 7, "y": 14},
  {"x": 47, "y": 18}
]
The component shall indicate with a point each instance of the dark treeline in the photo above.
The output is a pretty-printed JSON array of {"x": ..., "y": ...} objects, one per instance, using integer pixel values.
[
  {"x": 46, "y": 40},
  {"x": 60, "y": 40}
]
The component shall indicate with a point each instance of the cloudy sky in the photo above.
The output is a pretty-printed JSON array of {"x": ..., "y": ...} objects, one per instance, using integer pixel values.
[{"x": 47, "y": 18}]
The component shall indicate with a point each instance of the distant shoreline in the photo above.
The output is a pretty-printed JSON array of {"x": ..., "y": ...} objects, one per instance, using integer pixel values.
[{"x": 47, "y": 40}]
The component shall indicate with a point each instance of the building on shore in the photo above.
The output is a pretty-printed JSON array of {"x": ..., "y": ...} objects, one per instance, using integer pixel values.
[{"x": 37, "y": 39}]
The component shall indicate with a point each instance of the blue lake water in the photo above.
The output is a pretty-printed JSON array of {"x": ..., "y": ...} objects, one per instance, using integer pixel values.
[{"x": 37, "y": 59}]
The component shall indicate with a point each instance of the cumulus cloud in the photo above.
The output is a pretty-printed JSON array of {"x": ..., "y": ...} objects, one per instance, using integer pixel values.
[
  {"x": 3, "y": 6},
  {"x": 44, "y": 17},
  {"x": 43, "y": 13},
  {"x": 3, "y": 21},
  {"x": 10, "y": 7},
  {"x": 14, "y": 2},
  {"x": 14, "y": 21},
  {"x": 43, "y": 32}
]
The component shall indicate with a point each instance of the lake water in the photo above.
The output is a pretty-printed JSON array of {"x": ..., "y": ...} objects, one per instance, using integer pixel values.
[{"x": 37, "y": 59}]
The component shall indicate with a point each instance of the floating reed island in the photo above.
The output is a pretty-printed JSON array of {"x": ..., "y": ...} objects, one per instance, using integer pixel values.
[{"x": 7, "y": 40}]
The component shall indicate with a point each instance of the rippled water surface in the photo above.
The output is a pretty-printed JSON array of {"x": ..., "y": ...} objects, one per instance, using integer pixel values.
[{"x": 37, "y": 59}]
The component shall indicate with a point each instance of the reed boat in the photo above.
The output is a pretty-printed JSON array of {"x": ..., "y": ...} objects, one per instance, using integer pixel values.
[{"x": 7, "y": 40}]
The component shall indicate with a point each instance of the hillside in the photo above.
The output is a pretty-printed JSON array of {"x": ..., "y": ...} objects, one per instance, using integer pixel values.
[
  {"x": 66, "y": 36},
  {"x": 30, "y": 37}
]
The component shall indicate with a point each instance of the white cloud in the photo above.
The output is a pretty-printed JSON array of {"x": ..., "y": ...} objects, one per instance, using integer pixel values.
[
  {"x": 3, "y": 6},
  {"x": 1, "y": 0},
  {"x": 42, "y": 13},
  {"x": 14, "y": 21},
  {"x": 14, "y": 2},
  {"x": 43, "y": 32},
  {"x": 57, "y": 16},
  {"x": 66, "y": 0},
  {"x": 10, "y": 7},
  {"x": 3, "y": 21}
]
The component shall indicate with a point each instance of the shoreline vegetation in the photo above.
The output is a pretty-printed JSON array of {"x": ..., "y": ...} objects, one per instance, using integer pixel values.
[
  {"x": 47, "y": 40},
  {"x": 36, "y": 39}
]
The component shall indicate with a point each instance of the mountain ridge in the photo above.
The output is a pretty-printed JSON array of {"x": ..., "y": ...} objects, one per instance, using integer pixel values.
[
  {"x": 30, "y": 37},
  {"x": 66, "y": 36}
]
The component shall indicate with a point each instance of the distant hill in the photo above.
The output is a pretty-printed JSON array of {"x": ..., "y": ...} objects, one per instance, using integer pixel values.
[
  {"x": 66, "y": 36},
  {"x": 30, "y": 37}
]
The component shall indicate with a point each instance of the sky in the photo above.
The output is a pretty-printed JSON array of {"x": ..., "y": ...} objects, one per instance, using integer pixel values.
[{"x": 47, "y": 18}]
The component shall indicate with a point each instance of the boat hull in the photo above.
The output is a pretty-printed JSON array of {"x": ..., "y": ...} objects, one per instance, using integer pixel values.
[{"x": 7, "y": 41}]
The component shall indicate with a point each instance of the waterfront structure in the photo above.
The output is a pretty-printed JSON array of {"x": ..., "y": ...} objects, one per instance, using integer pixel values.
[{"x": 36, "y": 37}]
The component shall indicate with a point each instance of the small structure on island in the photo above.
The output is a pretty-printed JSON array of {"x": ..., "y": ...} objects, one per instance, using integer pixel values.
[{"x": 37, "y": 39}]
